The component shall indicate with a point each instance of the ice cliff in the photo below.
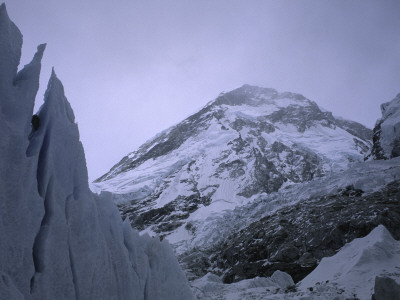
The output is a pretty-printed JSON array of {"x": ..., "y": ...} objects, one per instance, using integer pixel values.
[
  {"x": 58, "y": 240},
  {"x": 387, "y": 131}
]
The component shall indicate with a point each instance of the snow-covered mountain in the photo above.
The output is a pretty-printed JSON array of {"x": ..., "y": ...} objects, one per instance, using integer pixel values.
[
  {"x": 259, "y": 181},
  {"x": 246, "y": 143},
  {"x": 58, "y": 239}
]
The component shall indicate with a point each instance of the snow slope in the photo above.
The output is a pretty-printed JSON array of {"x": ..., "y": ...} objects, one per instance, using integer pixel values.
[{"x": 58, "y": 239}]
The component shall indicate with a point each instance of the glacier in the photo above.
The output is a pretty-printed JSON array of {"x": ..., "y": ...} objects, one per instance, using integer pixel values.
[{"x": 58, "y": 239}]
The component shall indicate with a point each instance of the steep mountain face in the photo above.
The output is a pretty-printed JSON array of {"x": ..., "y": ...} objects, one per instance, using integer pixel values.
[
  {"x": 247, "y": 142},
  {"x": 58, "y": 239},
  {"x": 386, "y": 136}
]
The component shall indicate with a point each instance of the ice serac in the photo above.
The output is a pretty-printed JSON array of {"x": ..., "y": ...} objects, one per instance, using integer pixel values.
[
  {"x": 58, "y": 240},
  {"x": 387, "y": 131},
  {"x": 21, "y": 208}
]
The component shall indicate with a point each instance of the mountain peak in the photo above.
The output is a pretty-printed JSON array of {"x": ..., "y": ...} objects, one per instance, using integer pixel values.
[
  {"x": 245, "y": 95},
  {"x": 249, "y": 142}
]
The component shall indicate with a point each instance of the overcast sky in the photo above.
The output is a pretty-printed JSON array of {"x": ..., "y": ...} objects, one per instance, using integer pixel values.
[{"x": 133, "y": 68}]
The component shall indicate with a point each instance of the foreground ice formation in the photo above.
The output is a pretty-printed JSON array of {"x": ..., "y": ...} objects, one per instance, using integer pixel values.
[{"x": 58, "y": 240}]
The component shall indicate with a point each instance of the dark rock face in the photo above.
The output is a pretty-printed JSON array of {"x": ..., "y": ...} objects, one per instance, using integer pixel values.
[
  {"x": 35, "y": 122},
  {"x": 295, "y": 238},
  {"x": 385, "y": 289},
  {"x": 396, "y": 148},
  {"x": 302, "y": 117},
  {"x": 166, "y": 218}
]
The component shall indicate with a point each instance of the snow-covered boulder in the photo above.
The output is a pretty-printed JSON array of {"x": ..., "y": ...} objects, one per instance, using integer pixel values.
[
  {"x": 387, "y": 131},
  {"x": 58, "y": 239},
  {"x": 355, "y": 267}
]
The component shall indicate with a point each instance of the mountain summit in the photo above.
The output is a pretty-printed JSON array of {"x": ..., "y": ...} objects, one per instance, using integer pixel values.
[{"x": 247, "y": 142}]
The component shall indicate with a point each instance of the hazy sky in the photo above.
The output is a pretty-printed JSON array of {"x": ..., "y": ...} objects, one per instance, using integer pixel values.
[{"x": 133, "y": 68}]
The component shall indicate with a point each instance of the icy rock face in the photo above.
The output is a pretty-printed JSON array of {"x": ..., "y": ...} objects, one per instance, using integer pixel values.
[
  {"x": 247, "y": 142},
  {"x": 58, "y": 240},
  {"x": 387, "y": 131}
]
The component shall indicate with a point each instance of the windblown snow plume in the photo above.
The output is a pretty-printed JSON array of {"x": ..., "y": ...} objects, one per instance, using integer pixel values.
[{"x": 58, "y": 240}]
